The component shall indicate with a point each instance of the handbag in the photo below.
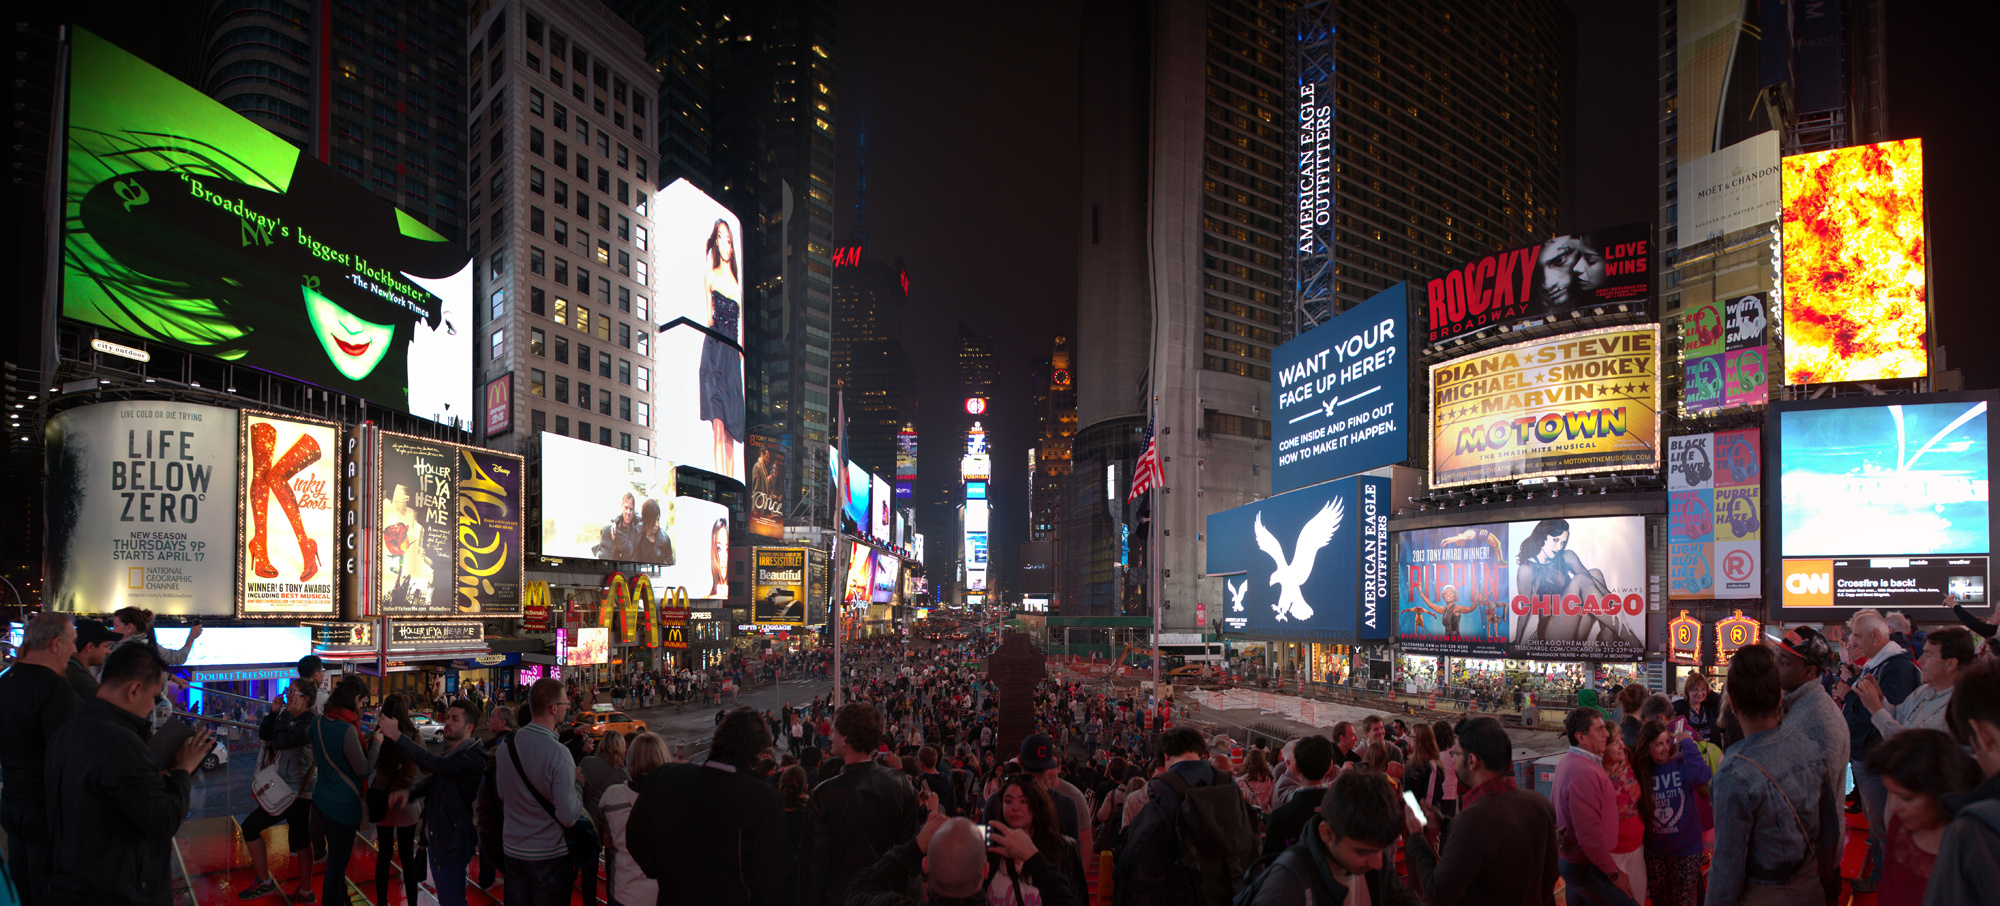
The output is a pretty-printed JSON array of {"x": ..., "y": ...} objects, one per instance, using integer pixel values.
[
  {"x": 581, "y": 837},
  {"x": 274, "y": 795}
]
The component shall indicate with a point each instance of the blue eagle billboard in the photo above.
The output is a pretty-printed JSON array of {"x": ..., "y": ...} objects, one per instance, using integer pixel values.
[
  {"x": 1340, "y": 394},
  {"x": 1312, "y": 564}
]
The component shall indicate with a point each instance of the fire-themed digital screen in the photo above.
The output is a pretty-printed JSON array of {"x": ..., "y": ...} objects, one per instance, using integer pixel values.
[
  {"x": 1855, "y": 294},
  {"x": 1883, "y": 501}
]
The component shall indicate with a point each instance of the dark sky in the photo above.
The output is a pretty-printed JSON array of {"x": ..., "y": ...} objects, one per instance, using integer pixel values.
[{"x": 971, "y": 128}]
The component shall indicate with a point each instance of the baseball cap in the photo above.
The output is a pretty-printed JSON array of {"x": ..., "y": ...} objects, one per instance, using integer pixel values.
[
  {"x": 1038, "y": 753},
  {"x": 90, "y": 632},
  {"x": 1807, "y": 644}
]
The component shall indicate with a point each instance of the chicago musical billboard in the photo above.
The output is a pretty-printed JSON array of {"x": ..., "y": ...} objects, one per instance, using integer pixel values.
[{"x": 1550, "y": 589}]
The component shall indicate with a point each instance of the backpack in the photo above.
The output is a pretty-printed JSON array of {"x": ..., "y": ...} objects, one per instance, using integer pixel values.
[
  {"x": 1253, "y": 877},
  {"x": 1212, "y": 843}
]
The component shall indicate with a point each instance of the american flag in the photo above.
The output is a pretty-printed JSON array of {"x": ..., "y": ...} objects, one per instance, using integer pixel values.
[{"x": 1146, "y": 474}]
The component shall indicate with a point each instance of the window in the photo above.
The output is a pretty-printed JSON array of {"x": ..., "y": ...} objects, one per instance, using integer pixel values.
[
  {"x": 624, "y": 365},
  {"x": 644, "y": 345},
  {"x": 603, "y": 143},
  {"x": 496, "y": 304},
  {"x": 604, "y": 217},
  {"x": 562, "y": 313},
  {"x": 561, "y": 156},
  {"x": 556, "y": 73},
  {"x": 562, "y": 425},
  {"x": 625, "y": 228},
  {"x": 624, "y": 189},
  {"x": 538, "y": 382},
  {"x": 625, "y": 408},
  {"x": 562, "y": 389},
  {"x": 535, "y": 220},
  {"x": 582, "y": 204},
  {"x": 625, "y": 300},
  {"x": 538, "y": 342},
  {"x": 562, "y": 344},
  {"x": 625, "y": 441},
  {"x": 625, "y": 262},
  {"x": 537, "y": 181},
  {"x": 645, "y": 414},
  {"x": 604, "y": 333},
  {"x": 604, "y": 403},
  {"x": 562, "y": 194},
  {"x": 624, "y": 158},
  {"x": 583, "y": 323},
  {"x": 497, "y": 184},
  {"x": 645, "y": 447},
  {"x": 639, "y": 203},
  {"x": 537, "y": 263},
  {"x": 583, "y": 168},
  {"x": 561, "y": 119},
  {"x": 562, "y": 268},
  {"x": 642, "y": 167},
  {"x": 603, "y": 180},
  {"x": 583, "y": 397},
  {"x": 583, "y": 279},
  {"x": 535, "y": 138},
  {"x": 643, "y": 379},
  {"x": 640, "y": 308},
  {"x": 535, "y": 301},
  {"x": 604, "y": 364},
  {"x": 583, "y": 430},
  {"x": 639, "y": 271},
  {"x": 561, "y": 236},
  {"x": 498, "y": 343},
  {"x": 583, "y": 357},
  {"x": 534, "y": 102},
  {"x": 639, "y": 237},
  {"x": 497, "y": 262},
  {"x": 538, "y": 421},
  {"x": 603, "y": 251}
]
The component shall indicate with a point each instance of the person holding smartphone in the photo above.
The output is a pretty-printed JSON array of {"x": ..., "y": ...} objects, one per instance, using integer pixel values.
[{"x": 1025, "y": 806}]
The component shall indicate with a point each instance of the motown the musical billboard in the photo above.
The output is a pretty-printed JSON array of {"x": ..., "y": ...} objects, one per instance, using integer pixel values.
[{"x": 1580, "y": 402}]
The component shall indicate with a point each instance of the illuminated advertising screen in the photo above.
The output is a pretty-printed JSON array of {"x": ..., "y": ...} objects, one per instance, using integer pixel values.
[
  {"x": 1882, "y": 502},
  {"x": 593, "y": 646},
  {"x": 778, "y": 585},
  {"x": 417, "y": 529},
  {"x": 491, "y": 554},
  {"x": 189, "y": 225},
  {"x": 766, "y": 486},
  {"x": 142, "y": 508},
  {"x": 1564, "y": 277},
  {"x": 860, "y": 587},
  {"x": 975, "y": 490},
  {"x": 906, "y": 462},
  {"x": 1723, "y": 346},
  {"x": 902, "y": 538},
  {"x": 976, "y": 516},
  {"x": 699, "y": 277},
  {"x": 881, "y": 520},
  {"x": 603, "y": 503},
  {"x": 1552, "y": 589},
  {"x": 854, "y": 507},
  {"x": 288, "y": 485},
  {"x": 1855, "y": 299},
  {"x": 917, "y": 547},
  {"x": 234, "y": 646},
  {"x": 888, "y": 570},
  {"x": 698, "y": 543},
  {"x": 1579, "y": 402},
  {"x": 1306, "y": 564},
  {"x": 1715, "y": 513},
  {"x": 1340, "y": 394},
  {"x": 499, "y": 400}
]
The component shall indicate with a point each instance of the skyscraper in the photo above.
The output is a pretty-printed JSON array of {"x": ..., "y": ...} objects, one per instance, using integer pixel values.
[
  {"x": 1192, "y": 268},
  {"x": 869, "y": 359},
  {"x": 974, "y": 370}
]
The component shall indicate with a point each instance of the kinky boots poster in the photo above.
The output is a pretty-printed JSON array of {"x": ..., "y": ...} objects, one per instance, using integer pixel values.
[{"x": 288, "y": 475}]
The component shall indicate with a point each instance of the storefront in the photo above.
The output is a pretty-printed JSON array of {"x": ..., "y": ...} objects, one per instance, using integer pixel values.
[
  {"x": 1330, "y": 663},
  {"x": 419, "y": 653},
  {"x": 1419, "y": 672}
]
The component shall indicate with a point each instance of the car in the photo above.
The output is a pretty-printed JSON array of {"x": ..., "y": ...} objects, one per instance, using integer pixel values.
[
  {"x": 596, "y": 723},
  {"x": 428, "y": 730},
  {"x": 216, "y": 757}
]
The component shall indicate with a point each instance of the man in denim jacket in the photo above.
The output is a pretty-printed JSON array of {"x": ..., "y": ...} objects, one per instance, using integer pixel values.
[{"x": 1771, "y": 788}]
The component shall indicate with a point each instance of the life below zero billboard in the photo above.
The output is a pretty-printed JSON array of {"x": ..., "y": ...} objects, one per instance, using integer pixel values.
[
  {"x": 1310, "y": 564},
  {"x": 1340, "y": 394}
]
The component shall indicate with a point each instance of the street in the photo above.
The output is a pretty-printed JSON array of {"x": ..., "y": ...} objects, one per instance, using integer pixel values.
[{"x": 695, "y": 725}]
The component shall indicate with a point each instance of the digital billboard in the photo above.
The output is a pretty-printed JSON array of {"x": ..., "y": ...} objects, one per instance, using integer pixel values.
[
  {"x": 1723, "y": 344},
  {"x": 593, "y": 646},
  {"x": 854, "y": 507},
  {"x": 491, "y": 554},
  {"x": 860, "y": 586},
  {"x": 189, "y": 225},
  {"x": 906, "y": 462},
  {"x": 881, "y": 521},
  {"x": 766, "y": 486},
  {"x": 1578, "y": 402},
  {"x": 1733, "y": 189},
  {"x": 698, "y": 276},
  {"x": 1564, "y": 276},
  {"x": 1550, "y": 589},
  {"x": 292, "y": 473},
  {"x": 1883, "y": 502},
  {"x": 603, "y": 503},
  {"x": 500, "y": 405},
  {"x": 1340, "y": 394},
  {"x": 1856, "y": 306},
  {"x": 698, "y": 535},
  {"x": 888, "y": 570},
  {"x": 1307, "y": 564},
  {"x": 778, "y": 585},
  {"x": 417, "y": 527},
  {"x": 142, "y": 508},
  {"x": 1715, "y": 513},
  {"x": 234, "y": 646}
]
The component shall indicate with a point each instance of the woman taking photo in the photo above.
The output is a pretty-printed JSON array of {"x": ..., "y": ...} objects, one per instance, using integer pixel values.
[
  {"x": 343, "y": 765},
  {"x": 1025, "y": 806},
  {"x": 395, "y": 828},
  {"x": 1917, "y": 767},
  {"x": 1669, "y": 768}
]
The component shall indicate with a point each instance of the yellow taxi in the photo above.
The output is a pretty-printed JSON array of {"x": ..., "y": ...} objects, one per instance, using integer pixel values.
[{"x": 595, "y": 723}]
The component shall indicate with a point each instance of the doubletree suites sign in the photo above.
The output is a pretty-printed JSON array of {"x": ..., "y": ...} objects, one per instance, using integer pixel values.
[{"x": 189, "y": 225}]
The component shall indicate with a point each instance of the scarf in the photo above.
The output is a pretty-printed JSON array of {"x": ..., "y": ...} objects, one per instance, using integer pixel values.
[
  {"x": 346, "y": 714},
  {"x": 1500, "y": 784}
]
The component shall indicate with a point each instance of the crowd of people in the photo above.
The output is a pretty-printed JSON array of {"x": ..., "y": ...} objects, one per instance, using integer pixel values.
[{"x": 911, "y": 790}]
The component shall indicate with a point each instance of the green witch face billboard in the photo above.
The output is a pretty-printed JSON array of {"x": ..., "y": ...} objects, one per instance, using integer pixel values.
[{"x": 187, "y": 224}]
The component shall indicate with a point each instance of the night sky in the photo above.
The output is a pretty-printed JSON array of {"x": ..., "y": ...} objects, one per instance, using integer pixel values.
[{"x": 971, "y": 125}]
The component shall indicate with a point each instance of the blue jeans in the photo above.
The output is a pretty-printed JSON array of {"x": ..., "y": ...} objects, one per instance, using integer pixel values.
[
  {"x": 540, "y": 882},
  {"x": 1584, "y": 884},
  {"x": 449, "y": 879},
  {"x": 1874, "y": 797}
]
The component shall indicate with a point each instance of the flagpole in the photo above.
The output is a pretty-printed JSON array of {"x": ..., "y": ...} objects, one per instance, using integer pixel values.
[{"x": 1153, "y": 545}]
